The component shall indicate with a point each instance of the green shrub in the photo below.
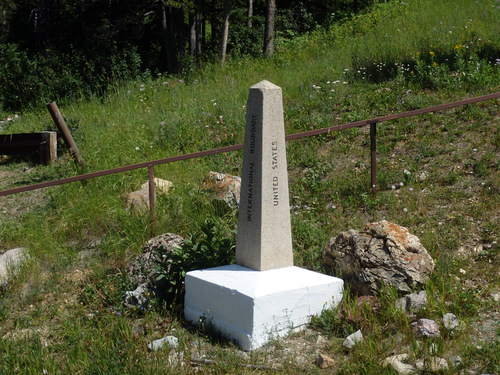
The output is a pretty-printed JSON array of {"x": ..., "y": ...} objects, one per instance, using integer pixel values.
[
  {"x": 32, "y": 80},
  {"x": 213, "y": 246}
]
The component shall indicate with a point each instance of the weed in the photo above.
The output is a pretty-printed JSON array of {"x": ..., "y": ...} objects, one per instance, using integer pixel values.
[
  {"x": 484, "y": 166},
  {"x": 484, "y": 356},
  {"x": 211, "y": 247},
  {"x": 105, "y": 291}
]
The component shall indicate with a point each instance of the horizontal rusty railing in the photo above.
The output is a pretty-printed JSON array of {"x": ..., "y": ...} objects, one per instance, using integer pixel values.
[
  {"x": 150, "y": 164},
  {"x": 358, "y": 124}
]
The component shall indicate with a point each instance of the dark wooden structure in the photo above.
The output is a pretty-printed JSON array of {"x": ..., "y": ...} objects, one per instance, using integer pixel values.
[{"x": 43, "y": 144}]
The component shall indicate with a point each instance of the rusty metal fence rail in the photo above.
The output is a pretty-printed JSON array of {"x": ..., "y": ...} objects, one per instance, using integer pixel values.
[{"x": 357, "y": 124}]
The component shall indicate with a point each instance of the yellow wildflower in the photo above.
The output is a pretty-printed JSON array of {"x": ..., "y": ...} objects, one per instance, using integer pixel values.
[
  {"x": 431, "y": 53},
  {"x": 458, "y": 46}
]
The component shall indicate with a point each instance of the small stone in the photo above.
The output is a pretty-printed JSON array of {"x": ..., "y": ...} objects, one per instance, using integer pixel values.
[
  {"x": 432, "y": 364},
  {"x": 223, "y": 187},
  {"x": 425, "y": 328},
  {"x": 320, "y": 340},
  {"x": 163, "y": 186},
  {"x": 455, "y": 361},
  {"x": 323, "y": 361},
  {"x": 170, "y": 341},
  {"x": 397, "y": 363},
  {"x": 10, "y": 261},
  {"x": 423, "y": 176},
  {"x": 412, "y": 303},
  {"x": 450, "y": 321},
  {"x": 138, "y": 200},
  {"x": 351, "y": 340},
  {"x": 137, "y": 298}
]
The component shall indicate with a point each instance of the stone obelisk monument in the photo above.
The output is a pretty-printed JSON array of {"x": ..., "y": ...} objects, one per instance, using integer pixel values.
[
  {"x": 264, "y": 239},
  {"x": 263, "y": 296}
]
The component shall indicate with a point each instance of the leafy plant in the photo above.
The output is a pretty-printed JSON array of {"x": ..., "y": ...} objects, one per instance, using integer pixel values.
[{"x": 211, "y": 247}]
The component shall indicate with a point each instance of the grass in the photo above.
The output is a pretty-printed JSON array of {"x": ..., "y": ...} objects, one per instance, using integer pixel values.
[{"x": 63, "y": 313}]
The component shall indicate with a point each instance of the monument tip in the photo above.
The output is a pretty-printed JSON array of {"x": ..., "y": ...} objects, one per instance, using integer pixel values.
[{"x": 265, "y": 85}]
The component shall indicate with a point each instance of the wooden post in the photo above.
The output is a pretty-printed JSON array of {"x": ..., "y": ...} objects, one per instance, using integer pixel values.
[
  {"x": 152, "y": 193},
  {"x": 373, "y": 152},
  {"x": 66, "y": 134},
  {"x": 48, "y": 147}
]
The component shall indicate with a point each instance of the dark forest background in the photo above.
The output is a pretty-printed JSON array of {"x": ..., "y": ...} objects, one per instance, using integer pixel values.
[{"x": 53, "y": 49}]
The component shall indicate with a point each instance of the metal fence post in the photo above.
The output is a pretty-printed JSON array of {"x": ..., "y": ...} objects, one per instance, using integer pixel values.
[
  {"x": 373, "y": 156},
  {"x": 152, "y": 193}
]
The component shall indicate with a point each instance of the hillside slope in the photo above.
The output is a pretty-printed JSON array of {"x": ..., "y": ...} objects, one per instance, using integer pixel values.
[{"x": 438, "y": 175}]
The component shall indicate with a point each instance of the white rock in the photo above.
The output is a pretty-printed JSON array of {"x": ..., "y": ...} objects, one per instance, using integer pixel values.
[
  {"x": 353, "y": 339},
  {"x": 137, "y": 298},
  {"x": 170, "y": 341},
  {"x": 162, "y": 185},
  {"x": 11, "y": 260},
  {"x": 397, "y": 363},
  {"x": 455, "y": 361},
  {"x": 432, "y": 364},
  {"x": 450, "y": 321},
  {"x": 423, "y": 176}
]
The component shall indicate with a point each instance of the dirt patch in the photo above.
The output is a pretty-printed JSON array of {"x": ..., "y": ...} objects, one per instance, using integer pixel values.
[{"x": 15, "y": 205}]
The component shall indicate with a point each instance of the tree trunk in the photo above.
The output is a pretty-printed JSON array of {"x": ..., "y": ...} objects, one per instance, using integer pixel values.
[
  {"x": 250, "y": 13},
  {"x": 195, "y": 37},
  {"x": 225, "y": 31},
  {"x": 269, "y": 27},
  {"x": 168, "y": 50},
  {"x": 192, "y": 34},
  {"x": 199, "y": 37}
]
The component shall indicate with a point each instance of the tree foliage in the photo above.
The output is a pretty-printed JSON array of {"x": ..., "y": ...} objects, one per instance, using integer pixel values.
[{"x": 54, "y": 48}]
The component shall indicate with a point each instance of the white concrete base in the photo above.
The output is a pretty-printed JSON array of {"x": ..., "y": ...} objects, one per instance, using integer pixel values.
[{"x": 251, "y": 307}]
